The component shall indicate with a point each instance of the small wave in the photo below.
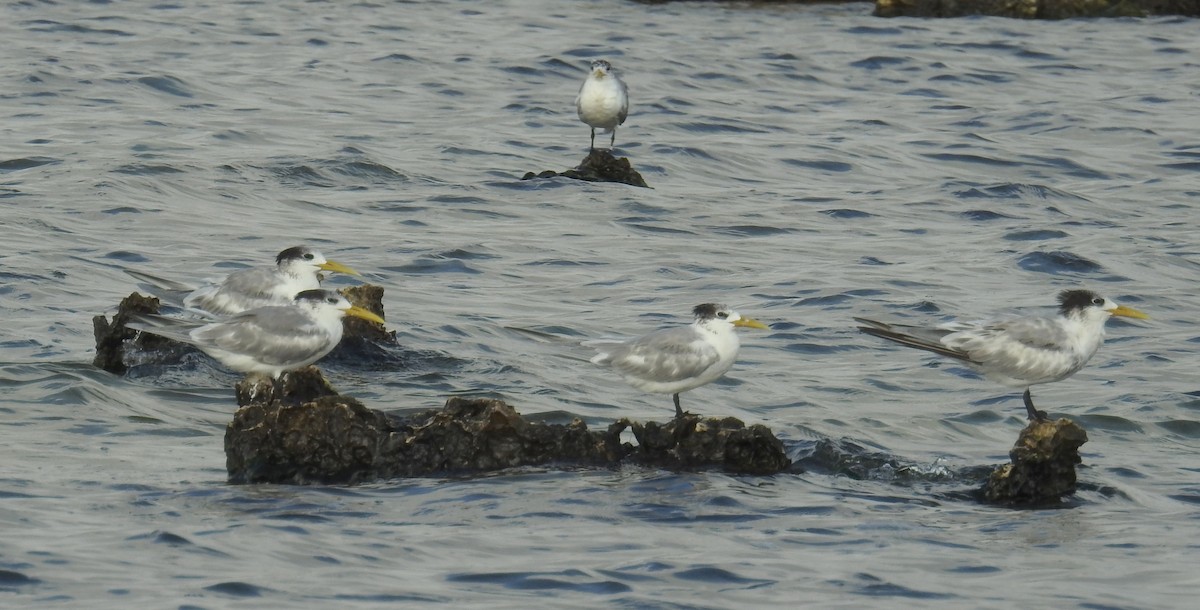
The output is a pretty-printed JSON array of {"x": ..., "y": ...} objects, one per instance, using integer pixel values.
[
  {"x": 822, "y": 165},
  {"x": 237, "y": 589},
  {"x": 845, "y": 213},
  {"x": 167, "y": 84},
  {"x": 1037, "y": 235},
  {"x": 13, "y": 165},
  {"x": 1058, "y": 262}
]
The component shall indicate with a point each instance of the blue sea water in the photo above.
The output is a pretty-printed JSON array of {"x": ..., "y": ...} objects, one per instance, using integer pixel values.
[{"x": 808, "y": 165}]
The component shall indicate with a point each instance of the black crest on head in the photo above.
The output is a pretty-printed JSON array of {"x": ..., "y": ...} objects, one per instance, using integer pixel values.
[
  {"x": 291, "y": 254},
  {"x": 706, "y": 311},
  {"x": 1075, "y": 300},
  {"x": 316, "y": 294}
]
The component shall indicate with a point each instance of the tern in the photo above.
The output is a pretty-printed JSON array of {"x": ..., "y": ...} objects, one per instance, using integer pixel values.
[
  {"x": 1018, "y": 352},
  {"x": 675, "y": 360},
  {"x": 270, "y": 340},
  {"x": 296, "y": 269},
  {"x": 603, "y": 100}
]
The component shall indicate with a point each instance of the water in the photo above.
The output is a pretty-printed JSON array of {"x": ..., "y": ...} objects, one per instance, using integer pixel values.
[{"x": 809, "y": 164}]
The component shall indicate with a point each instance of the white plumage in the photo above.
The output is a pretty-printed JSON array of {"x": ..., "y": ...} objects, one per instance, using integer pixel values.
[
  {"x": 675, "y": 360},
  {"x": 296, "y": 269},
  {"x": 271, "y": 340},
  {"x": 603, "y": 100},
  {"x": 1019, "y": 352}
]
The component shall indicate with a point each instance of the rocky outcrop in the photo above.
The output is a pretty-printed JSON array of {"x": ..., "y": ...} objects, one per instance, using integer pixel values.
[
  {"x": 112, "y": 337},
  {"x": 1043, "y": 465},
  {"x": 273, "y": 438},
  {"x": 598, "y": 166},
  {"x": 300, "y": 430}
]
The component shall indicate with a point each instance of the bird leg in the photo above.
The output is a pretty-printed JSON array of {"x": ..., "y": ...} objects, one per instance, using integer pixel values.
[
  {"x": 613, "y": 142},
  {"x": 678, "y": 409},
  {"x": 1034, "y": 414},
  {"x": 594, "y": 138}
]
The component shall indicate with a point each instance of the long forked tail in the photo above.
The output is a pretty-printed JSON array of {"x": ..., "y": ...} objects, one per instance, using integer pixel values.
[{"x": 890, "y": 332}]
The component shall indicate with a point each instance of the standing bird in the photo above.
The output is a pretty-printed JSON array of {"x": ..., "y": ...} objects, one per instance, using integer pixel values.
[
  {"x": 1019, "y": 352},
  {"x": 296, "y": 269},
  {"x": 603, "y": 100},
  {"x": 674, "y": 360},
  {"x": 271, "y": 340}
]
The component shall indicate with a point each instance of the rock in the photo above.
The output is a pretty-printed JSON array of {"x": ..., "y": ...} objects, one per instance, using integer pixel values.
[
  {"x": 1035, "y": 9},
  {"x": 598, "y": 166},
  {"x": 369, "y": 297},
  {"x": 693, "y": 442},
  {"x": 336, "y": 439},
  {"x": 293, "y": 388},
  {"x": 111, "y": 338},
  {"x": 1043, "y": 465}
]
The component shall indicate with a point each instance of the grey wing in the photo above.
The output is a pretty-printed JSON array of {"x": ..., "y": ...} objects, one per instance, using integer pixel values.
[
  {"x": 664, "y": 356},
  {"x": 271, "y": 335},
  {"x": 1029, "y": 350},
  {"x": 918, "y": 337},
  {"x": 1042, "y": 333},
  {"x": 624, "y": 112},
  {"x": 240, "y": 290},
  {"x": 1012, "y": 336}
]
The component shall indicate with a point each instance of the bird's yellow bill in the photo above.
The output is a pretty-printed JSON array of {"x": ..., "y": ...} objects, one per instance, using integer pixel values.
[
  {"x": 750, "y": 323},
  {"x": 1129, "y": 312},
  {"x": 359, "y": 312},
  {"x": 340, "y": 268}
]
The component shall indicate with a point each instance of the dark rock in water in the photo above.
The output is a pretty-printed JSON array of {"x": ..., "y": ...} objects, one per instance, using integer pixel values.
[
  {"x": 280, "y": 444},
  {"x": 693, "y": 442},
  {"x": 598, "y": 166},
  {"x": 293, "y": 387},
  {"x": 1035, "y": 9},
  {"x": 111, "y": 337},
  {"x": 369, "y": 297},
  {"x": 336, "y": 439},
  {"x": 113, "y": 340},
  {"x": 1043, "y": 465}
]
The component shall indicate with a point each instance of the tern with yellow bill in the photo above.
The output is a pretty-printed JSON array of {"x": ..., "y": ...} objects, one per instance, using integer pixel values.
[
  {"x": 296, "y": 270},
  {"x": 1019, "y": 352},
  {"x": 270, "y": 340},
  {"x": 675, "y": 360}
]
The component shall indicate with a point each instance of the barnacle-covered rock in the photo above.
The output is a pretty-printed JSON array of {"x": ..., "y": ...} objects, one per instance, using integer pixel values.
[{"x": 1043, "y": 465}]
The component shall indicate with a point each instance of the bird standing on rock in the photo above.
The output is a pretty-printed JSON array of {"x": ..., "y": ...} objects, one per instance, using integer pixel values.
[
  {"x": 1019, "y": 352},
  {"x": 674, "y": 360},
  {"x": 603, "y": 100}
]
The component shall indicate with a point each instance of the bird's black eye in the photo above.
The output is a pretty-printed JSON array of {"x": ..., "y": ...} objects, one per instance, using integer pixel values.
[
  {"x": 308, "y": 256},
  {"x": 1098, "y": 301},
  {"x": 722, "y": 314},
  {"x": 331, "y": 300}
]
